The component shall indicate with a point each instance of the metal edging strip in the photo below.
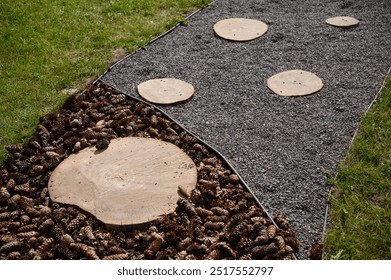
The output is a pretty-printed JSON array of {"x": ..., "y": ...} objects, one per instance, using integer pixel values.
[
  {"x": 154, "y": 39},
  {"x": 99, "y": 79},
  {"x": 349, "y": 148},
  {"x": 166, "y": 115}
]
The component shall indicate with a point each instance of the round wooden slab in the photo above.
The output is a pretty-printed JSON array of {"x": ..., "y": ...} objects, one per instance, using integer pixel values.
[
  {"x": 343, "y": 21},
  {"x": 295, "y": 83},
  {"x": 240, "y": 29},
  {"x": 131, "y": 182},
  {"x": 165, "y": 91}
]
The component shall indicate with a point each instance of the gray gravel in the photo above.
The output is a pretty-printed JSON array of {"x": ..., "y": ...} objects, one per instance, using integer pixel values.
[{"x": 281, "y": 146}]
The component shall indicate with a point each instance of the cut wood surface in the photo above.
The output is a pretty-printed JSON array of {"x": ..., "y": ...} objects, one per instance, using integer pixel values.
[
  {"x": 131, "y": 182},
  {"x": 343, "y": 21},
  {"x": 294, "y": 83},
  {"x": 165, "y": 91},
  {"x": 240, "y": 29}
]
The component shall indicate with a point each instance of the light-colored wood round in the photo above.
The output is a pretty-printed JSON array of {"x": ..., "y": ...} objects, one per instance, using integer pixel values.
[
  {"x": 343, "y": 21},
  {"x": 165, "y": 91},
  {"x": 240, "y": 29},
  {"x": 132, "y": 182},
  {"x": 294, "y": 83}
]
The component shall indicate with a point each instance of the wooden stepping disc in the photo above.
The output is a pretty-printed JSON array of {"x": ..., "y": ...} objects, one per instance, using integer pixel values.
[
  {"x": 165, "y": 91},
  {"x": 132, "y": 182},
  {"x": 343, "y": 21},
  {"x": 294, "y": 83},
  {"x": 240, "y": 29}
]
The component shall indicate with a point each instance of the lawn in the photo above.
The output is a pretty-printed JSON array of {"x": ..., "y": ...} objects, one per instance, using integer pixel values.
[
  {"x": 361, "y": 201},
  {"x": 49, "y": 48}
]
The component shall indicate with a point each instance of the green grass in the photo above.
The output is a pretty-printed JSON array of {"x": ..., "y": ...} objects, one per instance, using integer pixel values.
[
  {"x": 50, "y": 46},
  {"x": 361, "y": 203}
]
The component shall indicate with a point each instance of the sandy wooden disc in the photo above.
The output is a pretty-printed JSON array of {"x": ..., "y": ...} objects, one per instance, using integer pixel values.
[
  {"x": 165, "y": 91},
  {"x": 295, "y": 83},
  {"x": 132, "y": 182},
  {"x": 240, "y": 29},
  {"x": 343, "y": 21}
]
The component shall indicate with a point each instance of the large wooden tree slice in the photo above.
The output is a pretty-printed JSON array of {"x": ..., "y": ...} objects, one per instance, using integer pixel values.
[
  {"x": 294, "y": 83},
  {"x": 132, "y": 182},
  {"x": 240, "y": 29},
  {"x": 165, "y": 91},
  {"x": 343, "y": 21}
]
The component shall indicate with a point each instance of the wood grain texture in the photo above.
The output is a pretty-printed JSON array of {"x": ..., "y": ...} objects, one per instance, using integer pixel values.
[
  {"x": 294, "y": 83},
  {"x": 343, "y": 21},
  {"x": 165, "y": 91},
  {"x": 240, "y": 29},
  {"x": 131, "y": 182}
]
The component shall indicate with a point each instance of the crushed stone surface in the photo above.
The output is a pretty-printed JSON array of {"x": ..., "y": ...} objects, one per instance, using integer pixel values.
[{"x": 281, "y": 146}]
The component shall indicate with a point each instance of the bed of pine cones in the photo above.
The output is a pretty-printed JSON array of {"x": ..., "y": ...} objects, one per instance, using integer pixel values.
[{"x": 220, "y": 219}]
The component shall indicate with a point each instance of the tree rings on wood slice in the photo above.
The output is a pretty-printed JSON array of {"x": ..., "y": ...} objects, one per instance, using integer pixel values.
[
  {"x": 132, "y": 182},
  {"x": 240, "y": 29},
  {"x": 343, "y": 21},
  {"x": 165, "y": 91},
  {"x": 294, "y": 83}
]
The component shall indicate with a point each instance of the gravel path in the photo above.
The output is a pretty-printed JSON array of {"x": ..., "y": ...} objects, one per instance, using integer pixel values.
[{"x": 281, "y": 146}]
